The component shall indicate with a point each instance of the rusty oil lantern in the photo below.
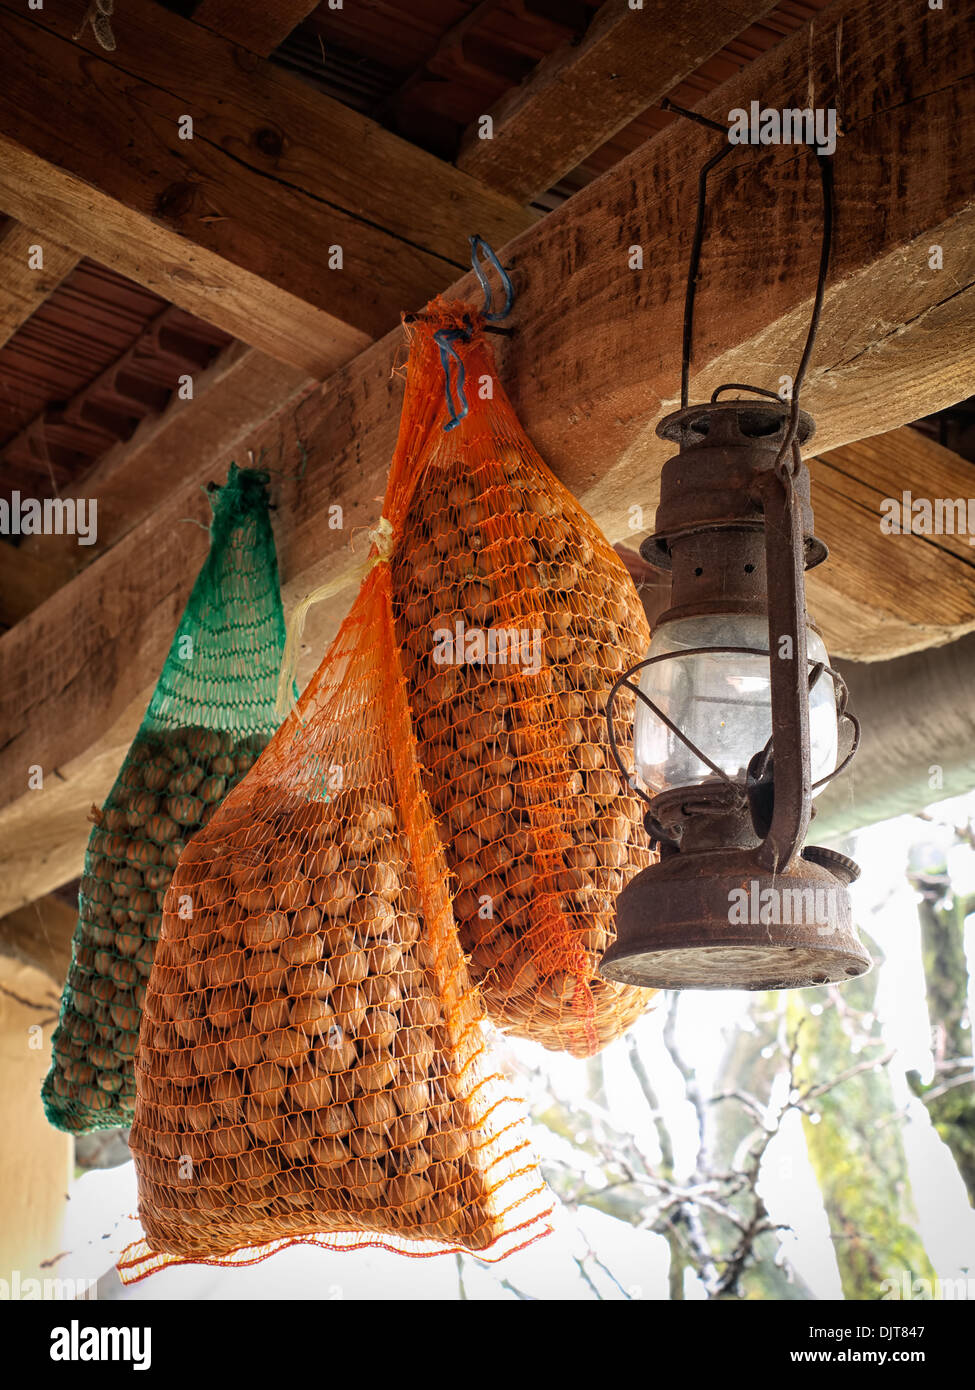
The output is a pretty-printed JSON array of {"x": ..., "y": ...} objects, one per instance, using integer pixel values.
[{"x": 738, "y": 710}]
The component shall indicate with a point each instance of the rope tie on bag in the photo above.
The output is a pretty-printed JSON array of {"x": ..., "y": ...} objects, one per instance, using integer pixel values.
[
  {"x": 446, "y": 337},
  {"x": 443, "y": 338},
  {"x": 381, "y": 538}
]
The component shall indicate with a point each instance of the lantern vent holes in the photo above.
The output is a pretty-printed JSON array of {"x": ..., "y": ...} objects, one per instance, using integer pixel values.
[
  {"x": 734, "y": 424},
  {"x": 749, "y": 569},
  {"x": 698, "y": 570},
  {"x": 757, "y": 424}
]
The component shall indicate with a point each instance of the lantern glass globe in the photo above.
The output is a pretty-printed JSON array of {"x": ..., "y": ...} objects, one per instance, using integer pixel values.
[{"x": 721, "y": 701}]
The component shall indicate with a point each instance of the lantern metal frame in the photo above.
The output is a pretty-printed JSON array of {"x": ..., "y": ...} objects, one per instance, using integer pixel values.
[{"x": 758, "y": 769}]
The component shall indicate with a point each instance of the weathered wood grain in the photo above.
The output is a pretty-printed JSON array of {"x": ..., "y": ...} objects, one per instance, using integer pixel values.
[
  {"x": 582, "y": 94},
  {"x": 22, "y": 288},
  {"x": 258, "y": 25},
  {"x": 239, "y": 223}
]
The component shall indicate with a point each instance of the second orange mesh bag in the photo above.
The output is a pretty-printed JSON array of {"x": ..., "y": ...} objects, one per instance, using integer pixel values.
[
  {"x": 313, "y": 1063},
  {"x": 514, "y": 617}
]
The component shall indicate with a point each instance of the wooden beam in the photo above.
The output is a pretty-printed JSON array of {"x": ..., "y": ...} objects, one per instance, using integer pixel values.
[
  {"x": 39, "y": 935},
  {"x": 241, "y": 390},
  {"x": 582, "y": 94},
  {"x": 258, "y": 25},
  {"x": 24, "y": 285},
  {"x": 240, "y": 223},
  {"x": 918, "y": 742},
  {"x": 592, "y": 367},
  {"x": 922, "y": 588},
  {"x": 28, "y": 577}
]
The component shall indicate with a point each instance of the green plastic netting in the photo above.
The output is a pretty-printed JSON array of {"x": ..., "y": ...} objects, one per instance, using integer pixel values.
[{"x": 211, "y": 714}]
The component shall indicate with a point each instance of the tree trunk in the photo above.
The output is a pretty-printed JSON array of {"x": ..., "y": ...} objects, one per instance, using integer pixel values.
[
  {"x": 855, "y": 1146},
  {"x": 950, "y": 1098},
  {"x": 918, "y": 742}
]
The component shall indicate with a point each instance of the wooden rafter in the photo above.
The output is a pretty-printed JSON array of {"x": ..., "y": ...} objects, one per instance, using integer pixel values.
[
  {"x": 258, "y": 25},
  {"x": 241, "y": 390},
  {"x": 921, "y": 588},
  {"x": 446, "y": 55},
  {"x": 239, "y": 224},
  {"x": 582, "y": 94},
  {"x": 27, "y": 279},
  {"x": 39, "y": 935}
]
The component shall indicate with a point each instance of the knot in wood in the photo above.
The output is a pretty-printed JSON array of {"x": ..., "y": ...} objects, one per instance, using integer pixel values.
[
  {"x": 269, "y": 142},
  {"x": 175, "y": 201}
]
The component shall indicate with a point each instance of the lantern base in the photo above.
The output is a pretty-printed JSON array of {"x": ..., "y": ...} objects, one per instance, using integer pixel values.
[{"x": 717, "y": 920}]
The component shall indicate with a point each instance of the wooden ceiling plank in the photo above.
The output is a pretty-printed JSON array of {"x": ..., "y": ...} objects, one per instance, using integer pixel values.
[
  {"x": 257, "y": 25},
  {"x": 32, "y": 265},
  {"x": 592, "y": 367},
  {"x": 39, "y": 934},
  {"x": 883, "y": 467},
  {"x": 73, "y": 409},
  {"x": 582, "y": 94},
  {"x": 242, "y": 389},
  {"x": 240, "y": 223},
  {"x": 922, "y": 588}
]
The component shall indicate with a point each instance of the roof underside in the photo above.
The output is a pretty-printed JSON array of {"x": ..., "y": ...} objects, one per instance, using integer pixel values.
[{"x": 102, "y": 353}]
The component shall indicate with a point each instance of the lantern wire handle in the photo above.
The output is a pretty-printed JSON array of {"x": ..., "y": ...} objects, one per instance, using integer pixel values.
[
  {"x": 826, "y": 177},
  {"x": 785, "y": 472},
  {"x": 788, "y": 443},
  {"x": 691, "y": 290}
]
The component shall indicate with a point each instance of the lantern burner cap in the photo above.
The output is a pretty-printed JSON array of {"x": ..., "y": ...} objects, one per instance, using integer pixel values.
[
  {"x": 727, "y": 424},
  {"x": 712, "y": 484}
]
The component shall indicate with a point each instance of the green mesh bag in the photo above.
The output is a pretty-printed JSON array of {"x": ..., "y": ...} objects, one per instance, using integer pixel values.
[{"x": 210, "y": 716}]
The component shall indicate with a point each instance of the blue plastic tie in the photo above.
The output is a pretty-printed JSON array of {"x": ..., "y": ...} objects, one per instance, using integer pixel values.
[{"x": 446, "y": 337}]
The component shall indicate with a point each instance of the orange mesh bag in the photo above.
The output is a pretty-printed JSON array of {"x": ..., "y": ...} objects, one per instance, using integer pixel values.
[
  {"x": 312, "y": 1064},
  {"x": 514, "y": 617}
]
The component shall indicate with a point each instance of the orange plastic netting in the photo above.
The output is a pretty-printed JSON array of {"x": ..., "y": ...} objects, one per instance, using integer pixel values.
[
  {"x": 514, "y": 616},
  {"x": 312, "y": 1063}
]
